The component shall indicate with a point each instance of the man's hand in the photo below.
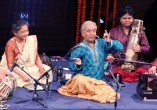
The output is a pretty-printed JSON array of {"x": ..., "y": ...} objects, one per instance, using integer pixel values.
[
  {"x": 152, "y": 70},
  {"x": 106, "y": 36},
  {"x": 136, "y": 48},
  {"x": 109, "y": 58},
  {"x": 77, "y": 61}
]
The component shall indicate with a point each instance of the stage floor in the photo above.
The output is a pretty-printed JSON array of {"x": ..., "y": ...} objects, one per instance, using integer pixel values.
[{"x": 130, "y": 100}]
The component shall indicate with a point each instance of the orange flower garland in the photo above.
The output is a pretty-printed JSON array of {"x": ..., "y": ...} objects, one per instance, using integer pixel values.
[
  {"x": 114, "y": 13},
  {"x": 83, "y": 15},
  {"x": 99, "y": 14},
  {"x": 106, "y": 13},
  {"x": 78, "y": 21},
  {"x": 91, "y": 9},
  {"x": 82, "y": 10}
]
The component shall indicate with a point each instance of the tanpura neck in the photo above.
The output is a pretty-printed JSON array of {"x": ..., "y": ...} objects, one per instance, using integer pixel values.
[{"x": 126, "y": 30}]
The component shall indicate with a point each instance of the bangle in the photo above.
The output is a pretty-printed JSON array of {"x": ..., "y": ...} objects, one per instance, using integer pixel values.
[{"x": 8, "y": 72}]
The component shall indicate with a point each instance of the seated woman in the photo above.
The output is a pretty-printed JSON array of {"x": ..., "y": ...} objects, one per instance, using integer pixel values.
[{"x": 23, "y": 50}]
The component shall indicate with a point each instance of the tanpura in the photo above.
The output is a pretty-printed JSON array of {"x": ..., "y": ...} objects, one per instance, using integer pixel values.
[{"x": 134, "y": 39}]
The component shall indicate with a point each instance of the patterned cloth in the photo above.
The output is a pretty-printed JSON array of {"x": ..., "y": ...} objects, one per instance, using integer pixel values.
[
  {"x": 26, "y": 60},
  {"x": 89, "y": 88},
  {"x": 117, "y": 33},
  {"x": 93, "y": 59}
]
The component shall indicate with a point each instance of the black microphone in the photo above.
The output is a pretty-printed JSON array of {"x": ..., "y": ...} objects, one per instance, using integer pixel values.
[
  {"x": 12, "y": 67},
  {"x": 76, "y": 46},
  {"x": 46, "y": 73}
]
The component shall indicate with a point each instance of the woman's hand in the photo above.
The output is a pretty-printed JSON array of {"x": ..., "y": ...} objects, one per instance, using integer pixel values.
[
  {"x": 41, "y": 70},
  {"x": 77, "y": 61},
  {"x": 152, "y": 70},
  {"x": 25, "y": 78},
  {"x": 2, "y": 74},
  {"x": 11, "y": 76}
]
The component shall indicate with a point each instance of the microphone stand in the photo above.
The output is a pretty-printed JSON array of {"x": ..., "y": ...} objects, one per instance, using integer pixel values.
[
  {"x": 73, "y": 48},
  {"x": 61, "y": 59},
  {"x": 54, "y": 71},
  {"x": 35, "y": 95},
  {"x": 47, "y": 83},
  {"x": 117, "y": 85},
  {"x": 47, "y": 79}
]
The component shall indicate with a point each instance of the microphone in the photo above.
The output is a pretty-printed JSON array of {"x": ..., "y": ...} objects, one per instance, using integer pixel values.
[
  {"x": 12, "y": 67},
  {"x": 46, "y": 73},
  {"x": 97, "y": 37},
  {"x": 76, "y": 46}
]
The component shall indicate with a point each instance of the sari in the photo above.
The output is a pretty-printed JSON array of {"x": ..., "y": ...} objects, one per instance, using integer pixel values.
[{"x": 26, "y": 61}]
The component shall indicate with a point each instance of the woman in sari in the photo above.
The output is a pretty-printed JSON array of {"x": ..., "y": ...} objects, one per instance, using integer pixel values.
[{"x": 22, "y": 50}]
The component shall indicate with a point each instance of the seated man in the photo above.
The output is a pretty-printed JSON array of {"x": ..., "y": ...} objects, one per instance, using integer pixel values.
[
  {"x": 134, "y": 49},
  {"x": 87, "y": 61}
]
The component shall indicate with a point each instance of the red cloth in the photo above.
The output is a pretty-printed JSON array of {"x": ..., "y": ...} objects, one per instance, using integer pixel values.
[
  {"x": 130, "y": 76},
  {"x": 155, "y": 62}
]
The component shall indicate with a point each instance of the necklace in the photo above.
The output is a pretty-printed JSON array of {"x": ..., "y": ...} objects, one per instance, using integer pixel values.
[{"x": 20, "y": 50}]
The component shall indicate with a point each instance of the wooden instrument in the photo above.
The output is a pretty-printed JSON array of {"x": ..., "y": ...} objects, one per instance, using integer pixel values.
[
  {"x": 134, "y": 39},
  {"x": 147, "y": 86},
  {"x": 6, "y": 87}
]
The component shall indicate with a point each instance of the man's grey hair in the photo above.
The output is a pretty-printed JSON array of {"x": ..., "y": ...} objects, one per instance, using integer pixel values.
[{"x": 83, "y": 26}]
